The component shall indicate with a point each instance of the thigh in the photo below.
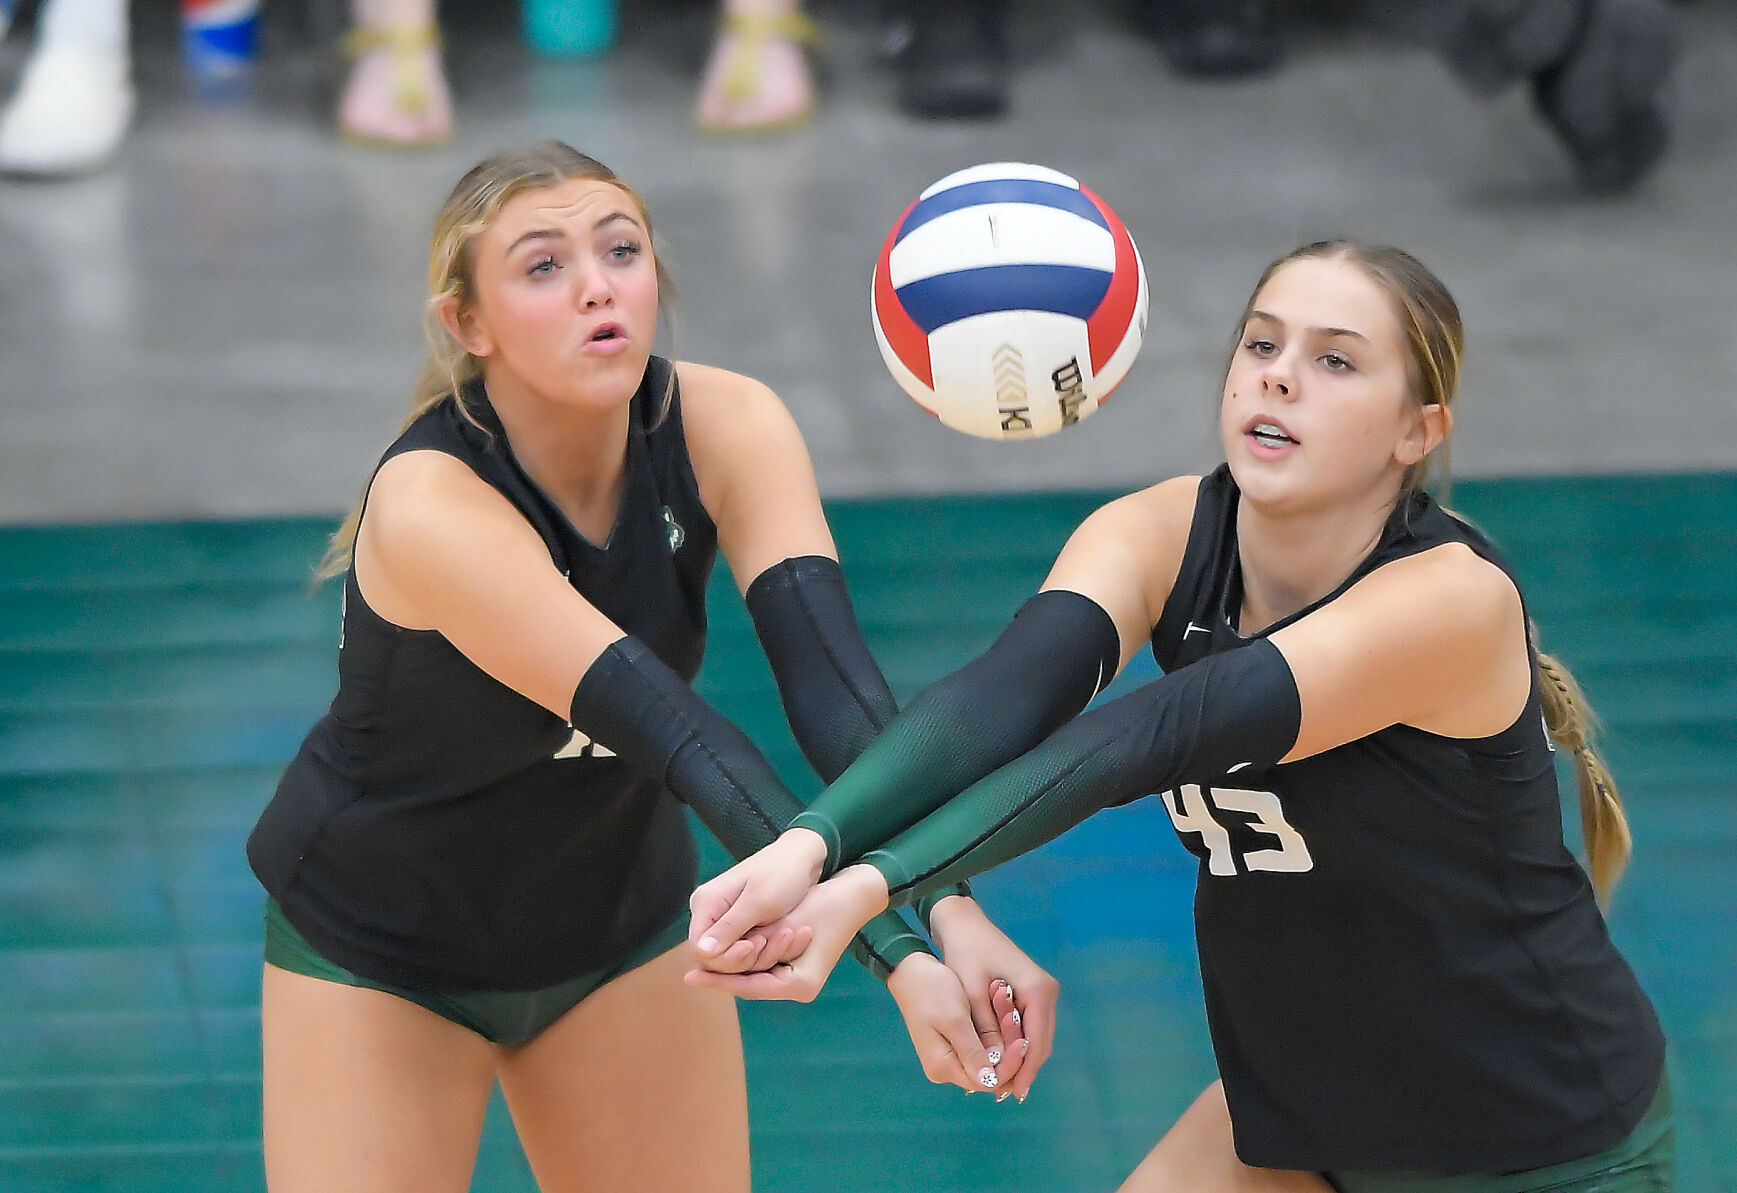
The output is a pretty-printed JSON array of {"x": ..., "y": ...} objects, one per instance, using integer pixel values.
[
  {"x": 1197, "y": 1156},
  {"x": 365, "y": 1091},
  {"x": 639, "y": 1087}
]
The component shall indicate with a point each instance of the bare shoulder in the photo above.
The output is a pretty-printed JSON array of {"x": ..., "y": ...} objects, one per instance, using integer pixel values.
[
  {"x": 1435, "y": 640},
  {"x": 718, "y": 400},
  {"x": 418, "y": 492},
  {"x": 1150, "y": 525},
  {"x": 427, "y": 510},
  {"x": 1126, "y": 555},
  {"x": 739, "y": 436},
  {"x": 1452, "y": 583}
]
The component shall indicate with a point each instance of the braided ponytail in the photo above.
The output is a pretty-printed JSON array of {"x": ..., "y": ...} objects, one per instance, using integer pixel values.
[{"x": 1603, "y": 825}]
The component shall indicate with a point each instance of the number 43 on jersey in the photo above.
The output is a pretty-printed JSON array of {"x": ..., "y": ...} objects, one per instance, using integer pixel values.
[{"x": 1192, "y": 810}]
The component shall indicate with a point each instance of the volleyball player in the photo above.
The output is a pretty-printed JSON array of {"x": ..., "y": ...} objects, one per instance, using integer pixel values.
[
  {"x": 1408, "y": 979},
  {"x": 477, "y": 862}
]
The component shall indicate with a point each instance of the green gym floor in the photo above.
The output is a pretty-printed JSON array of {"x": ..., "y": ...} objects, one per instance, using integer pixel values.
[{"x": 154, "y": 677}]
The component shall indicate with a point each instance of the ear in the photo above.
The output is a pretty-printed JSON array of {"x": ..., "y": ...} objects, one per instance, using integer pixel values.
[
  {"x": 1429, "y": 430},
  {"x": 463, "y": 327}
]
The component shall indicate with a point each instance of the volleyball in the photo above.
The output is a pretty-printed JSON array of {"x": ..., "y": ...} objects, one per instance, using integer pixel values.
[{"x": 1009, "y": 301}]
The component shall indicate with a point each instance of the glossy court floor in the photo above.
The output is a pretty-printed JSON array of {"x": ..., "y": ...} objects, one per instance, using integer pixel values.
[{"x": 203, "y": 347}]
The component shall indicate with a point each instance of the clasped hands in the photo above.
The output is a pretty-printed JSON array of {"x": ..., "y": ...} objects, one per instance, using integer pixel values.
[{"x": 766, "y": 928}]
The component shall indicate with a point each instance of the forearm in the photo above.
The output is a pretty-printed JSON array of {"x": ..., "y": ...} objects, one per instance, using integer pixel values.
[
  {"x": 834, "y": 696},
  {"x": 631, "y": 702},
  {"x": 1239, "y": 709},
  {"x": 1043, "y": 669}
]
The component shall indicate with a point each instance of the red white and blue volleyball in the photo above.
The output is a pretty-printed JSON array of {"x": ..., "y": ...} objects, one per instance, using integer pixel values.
[{"x": 1009, "y": 301}]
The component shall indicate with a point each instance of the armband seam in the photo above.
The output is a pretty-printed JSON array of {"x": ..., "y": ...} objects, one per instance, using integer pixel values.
[
  {"x": 699, "y": 743},
  {"x": 831, "y": 655},
  {"x": 883, "y": 861}
]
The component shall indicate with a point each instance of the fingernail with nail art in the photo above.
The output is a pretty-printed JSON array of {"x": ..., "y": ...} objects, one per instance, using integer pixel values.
[
  {"x": 986, "y": 1078},
  {"x": 1002, "y": 1097},
  {"x": 995, "y": 1056},
  {"x": 1014, "y": 1015}
]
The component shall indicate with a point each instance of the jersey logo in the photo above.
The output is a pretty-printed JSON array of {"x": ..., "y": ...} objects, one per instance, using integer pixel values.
[
  {"x": 1192, "y": 809},
  {"x": 677, "y": 536},
  {"x": 1195, "y": 629},
  {"x": 581, "y": 746}
]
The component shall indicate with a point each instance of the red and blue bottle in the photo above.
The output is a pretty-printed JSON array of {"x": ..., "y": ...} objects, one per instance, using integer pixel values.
[{"x": 221, "y": 37}]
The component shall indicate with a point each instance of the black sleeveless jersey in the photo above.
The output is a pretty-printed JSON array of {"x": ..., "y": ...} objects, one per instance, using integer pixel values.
[
  {"x": 439, "y": 829},
  {"x": 1404, "y": 966}
]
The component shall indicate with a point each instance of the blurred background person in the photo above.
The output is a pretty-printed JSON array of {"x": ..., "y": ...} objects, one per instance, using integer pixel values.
[
  {"x": 757, "y": 77},
  {"x": 951, "y": 57},
  {"x": 74, "y": 98},
  {"x": 1596, "y": 69},
  {"x": 396, "y": 92}
]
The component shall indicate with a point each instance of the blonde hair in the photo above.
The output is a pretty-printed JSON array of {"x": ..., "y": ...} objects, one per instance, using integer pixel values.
[
  {"x": 1603, "y": 824},
  {"x": 1435, "y": 338},
  {"x": 466, "y": 214}
]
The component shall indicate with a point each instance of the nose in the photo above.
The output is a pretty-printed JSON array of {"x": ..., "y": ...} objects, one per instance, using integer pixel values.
[
  {"x": 593, "y": 289},
  {"x": 1276, "y": 377}
]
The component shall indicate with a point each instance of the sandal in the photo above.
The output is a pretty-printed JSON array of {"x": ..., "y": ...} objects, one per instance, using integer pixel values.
[
  {"x": 738, "y": 93},
  {"x": 397, "y": 94}
]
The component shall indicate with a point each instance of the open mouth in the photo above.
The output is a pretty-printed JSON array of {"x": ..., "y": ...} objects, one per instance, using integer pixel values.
[
  {"x": 606, "y": 333},
  {"x": 1269, "y": 435}
]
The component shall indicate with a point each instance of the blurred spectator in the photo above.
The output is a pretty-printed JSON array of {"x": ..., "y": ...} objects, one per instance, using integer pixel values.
[
  {"x": 74, "y": 98},
  {"x": 1596, "y": 69},
  {"x": 758, "y": 76},
  {"x": 952, "y": 58},
  {"x": 1212, "y": 38},
  {"x": 396, "y": 93}
]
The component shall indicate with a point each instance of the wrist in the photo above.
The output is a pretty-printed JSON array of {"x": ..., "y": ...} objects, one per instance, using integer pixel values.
[
  {"x": 866, "y": 887},
  {"x": 952, "y": 911},
  {"x": 820, "y": 826},
  {"x": 807, "y": 848}
]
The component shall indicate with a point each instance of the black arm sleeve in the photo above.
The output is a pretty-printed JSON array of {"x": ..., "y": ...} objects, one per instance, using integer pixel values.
[
  {"x": 835, "y": 699},
  {"x": 834, "y": 695},
  {"x": 1044, "y": 668},
  {"x": 1232, "y": 711},
  {"x": 630, "y": 701}
]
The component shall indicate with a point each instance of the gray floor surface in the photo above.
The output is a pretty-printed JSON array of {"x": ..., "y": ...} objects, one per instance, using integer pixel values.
[{"x": 224, "y": 323}]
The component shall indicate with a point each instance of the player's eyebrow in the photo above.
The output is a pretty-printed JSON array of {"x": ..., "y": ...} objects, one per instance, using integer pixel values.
[
  {"x": 1319, "y": 331},
  {"x": 558, "y": 234}
]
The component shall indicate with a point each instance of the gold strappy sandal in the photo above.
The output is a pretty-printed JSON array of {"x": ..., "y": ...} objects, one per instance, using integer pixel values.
[
  {"x": 741, "y": 75},
  {"x": 413, "y": 91}
]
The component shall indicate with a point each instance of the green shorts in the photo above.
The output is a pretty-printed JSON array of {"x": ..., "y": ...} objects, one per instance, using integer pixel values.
[
  {"x": 1643, "y": 1161},
  {"x": 505, "y": 1017}
]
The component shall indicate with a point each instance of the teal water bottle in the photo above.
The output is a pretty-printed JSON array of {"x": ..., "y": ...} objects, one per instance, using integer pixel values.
[{"x": 569, "y": 28}]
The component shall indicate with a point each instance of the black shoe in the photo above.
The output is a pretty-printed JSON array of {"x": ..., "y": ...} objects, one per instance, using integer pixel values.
[
  {"x": 1603, "y": 98},
  {"x": 955, "y": 63},
  {"x": 1221, "y": 39}
]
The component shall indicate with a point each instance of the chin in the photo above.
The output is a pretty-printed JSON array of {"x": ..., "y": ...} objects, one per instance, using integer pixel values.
[{"x": 1269, "y": 488}]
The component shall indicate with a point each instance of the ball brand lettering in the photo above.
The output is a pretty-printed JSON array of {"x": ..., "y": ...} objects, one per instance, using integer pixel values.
[
  {"x": 1070, "y": 390},
  {"x": 1010, "y": 392}
]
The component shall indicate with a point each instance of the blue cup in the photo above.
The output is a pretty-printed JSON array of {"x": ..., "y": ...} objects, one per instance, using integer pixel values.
[{"x": 569, "y": 28}]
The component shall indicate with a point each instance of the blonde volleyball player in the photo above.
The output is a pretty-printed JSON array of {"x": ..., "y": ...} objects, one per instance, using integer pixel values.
[
  {"x": 478, "y": 863},
  {"x": 1408, "y": 980}
]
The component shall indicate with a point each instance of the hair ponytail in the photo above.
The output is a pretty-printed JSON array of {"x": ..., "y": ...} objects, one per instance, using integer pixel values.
[{"x": 1603, "y": 824}]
